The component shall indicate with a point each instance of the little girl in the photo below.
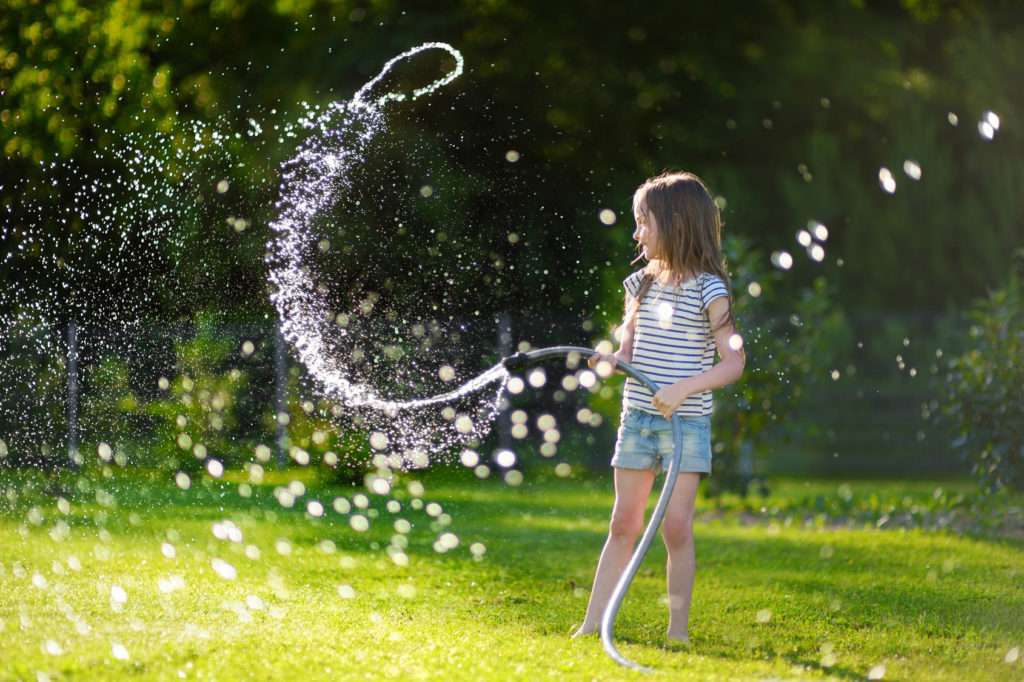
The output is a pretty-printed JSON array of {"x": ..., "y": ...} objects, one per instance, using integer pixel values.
[{"x": 678, "y": 313}]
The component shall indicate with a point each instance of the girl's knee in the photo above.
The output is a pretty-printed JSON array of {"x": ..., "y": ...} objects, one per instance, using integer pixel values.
[
  {"x": 677, "y": 533},
  {"x": 625, "y": 527}
]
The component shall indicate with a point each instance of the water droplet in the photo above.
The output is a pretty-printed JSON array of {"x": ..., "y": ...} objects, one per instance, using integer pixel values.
[
  {"x": 505, "y": 458},
  {"x": 819, "y": 231},
  {"x": 782, "y": 260},
  {"x": 378, "y": 440},
  {"x": 886, "y": 179},
  {"x": 463, "y": 424},
  {"x": 224, "y": 569}
]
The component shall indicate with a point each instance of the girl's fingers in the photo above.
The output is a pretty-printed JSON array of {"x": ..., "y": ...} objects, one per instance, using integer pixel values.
[{"x": 662, "y": 407}]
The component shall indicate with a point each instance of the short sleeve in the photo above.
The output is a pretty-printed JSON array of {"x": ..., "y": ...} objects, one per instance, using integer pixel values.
[
  {"x": 711, "y": 288},
  {"x": 632, "y": 283}
]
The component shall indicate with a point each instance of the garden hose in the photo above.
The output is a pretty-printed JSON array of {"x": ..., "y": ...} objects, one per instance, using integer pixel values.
[{"x": 521, "y": 360}]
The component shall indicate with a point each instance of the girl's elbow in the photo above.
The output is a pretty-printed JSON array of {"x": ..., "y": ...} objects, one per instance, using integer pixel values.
[{"x": 739, "y": 365}]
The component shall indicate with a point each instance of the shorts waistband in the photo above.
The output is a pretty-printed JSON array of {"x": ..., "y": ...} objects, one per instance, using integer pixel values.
[{"x": 650, "y": 418}]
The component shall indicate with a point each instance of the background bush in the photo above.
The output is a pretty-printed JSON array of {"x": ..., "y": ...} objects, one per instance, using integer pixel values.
[{"x": 984, "y": 401}]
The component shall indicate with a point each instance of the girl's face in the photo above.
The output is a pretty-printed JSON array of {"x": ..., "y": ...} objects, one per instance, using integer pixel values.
[{"x": 646, "y": 234}]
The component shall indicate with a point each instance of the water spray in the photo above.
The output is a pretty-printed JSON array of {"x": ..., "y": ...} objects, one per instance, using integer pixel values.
[{"x": 321, "y": 166}]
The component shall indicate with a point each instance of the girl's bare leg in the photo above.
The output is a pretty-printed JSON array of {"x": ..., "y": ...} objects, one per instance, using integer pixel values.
[
  {"x": 677, "y": 532},
  {"x": 632, "y": 488}
]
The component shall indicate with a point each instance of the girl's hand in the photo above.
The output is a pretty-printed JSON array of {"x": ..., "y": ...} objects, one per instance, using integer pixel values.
[
  {"x": 668, "y": 399},
  {"x": 594, "y": 360}
]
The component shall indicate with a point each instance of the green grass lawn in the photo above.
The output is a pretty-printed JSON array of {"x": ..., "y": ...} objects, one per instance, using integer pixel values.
[{"x": 95, "y": 592}]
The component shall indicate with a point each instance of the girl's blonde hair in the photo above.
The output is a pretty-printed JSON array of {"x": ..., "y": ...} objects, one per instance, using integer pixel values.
[{"x": 689, "y": 233}]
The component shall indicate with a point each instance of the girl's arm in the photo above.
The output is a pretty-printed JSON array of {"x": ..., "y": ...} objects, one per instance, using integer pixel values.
[
  {"x": 625, "y": 351},
  {"x": 728, "y": 369}
]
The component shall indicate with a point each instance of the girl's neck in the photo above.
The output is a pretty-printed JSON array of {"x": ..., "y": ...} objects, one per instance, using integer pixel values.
[{"x": 669, "y": 278}]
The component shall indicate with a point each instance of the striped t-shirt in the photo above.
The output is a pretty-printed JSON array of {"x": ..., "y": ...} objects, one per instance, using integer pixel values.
[{"x": 673, "y": 339}]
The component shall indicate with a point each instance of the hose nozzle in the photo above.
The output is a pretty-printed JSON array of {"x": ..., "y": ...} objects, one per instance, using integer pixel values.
[{"x": 516, "y": 361}]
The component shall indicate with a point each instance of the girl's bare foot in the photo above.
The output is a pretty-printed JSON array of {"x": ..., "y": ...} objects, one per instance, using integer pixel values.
[
  {"x": 680, "y": 637},
  {"x": 584, "y": 629}
]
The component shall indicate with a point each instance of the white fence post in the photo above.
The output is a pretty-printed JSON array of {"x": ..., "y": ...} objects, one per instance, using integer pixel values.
[
  {"x": 72, "y": 401},
  {"x": 504, "y": 350},
  {"x": 280, "y": 395}
]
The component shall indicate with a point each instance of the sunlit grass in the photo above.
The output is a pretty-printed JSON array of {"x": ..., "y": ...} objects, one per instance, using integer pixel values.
[{"x": 323, "y": 601}]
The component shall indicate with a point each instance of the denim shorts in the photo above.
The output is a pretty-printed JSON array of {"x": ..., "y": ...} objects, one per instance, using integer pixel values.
[{"x": 645, "y": 442}]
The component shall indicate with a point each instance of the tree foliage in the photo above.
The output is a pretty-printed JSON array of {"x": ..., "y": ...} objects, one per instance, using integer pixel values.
[{"x": 789, "y": 110}]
